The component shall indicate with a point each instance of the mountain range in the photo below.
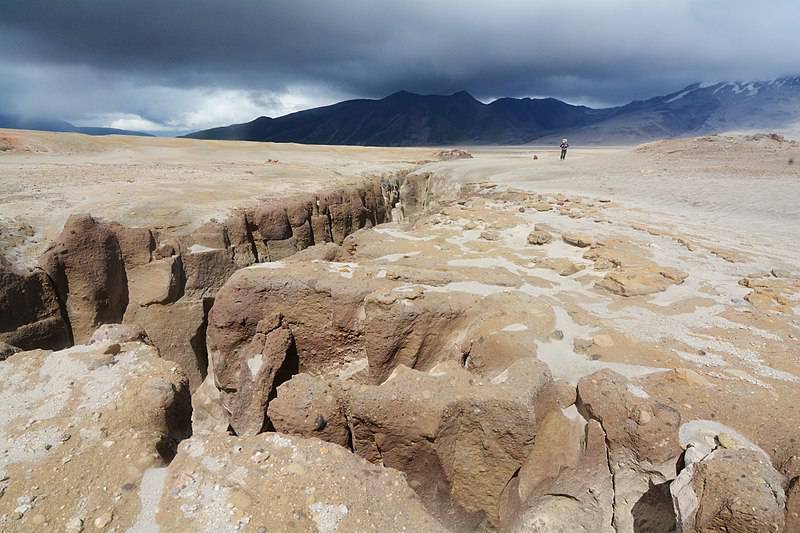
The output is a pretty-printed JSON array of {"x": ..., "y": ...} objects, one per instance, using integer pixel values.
[
  {"x": 46, "y": 124},
  {"x": 408, "y": 119}
]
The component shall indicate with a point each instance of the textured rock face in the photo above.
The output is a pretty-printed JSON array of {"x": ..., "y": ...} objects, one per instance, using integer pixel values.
[
  {"x": 310, "y": 407},
  {"x": 642, "y": 437},
  {"x": 248, "y": 383},
  {"x": 319, "y": 307},
  {"x": 99, "y": 420},
  {"x": 539, "y": 237},
  {"x": 136, "y": 244},
  {"x": 88, "y": 269},
  {"x": 730, "y": 490},
  {"x": 459, "y": 441},
  {"x": 206, "y": 270},
  {"x": 178, "y": 331},
  {"x": 559, "y": 445},
  {"x": 412, "y": 329},
  {"x": 277, "y": 482},
  {"x": 159, "y": 282},
  {"x": 579, "y": 499},
  {"x": 30, "y": 313},
  {"x": 339, "y": 312}
]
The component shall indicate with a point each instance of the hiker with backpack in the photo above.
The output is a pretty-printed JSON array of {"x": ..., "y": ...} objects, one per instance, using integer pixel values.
[{"x": 564, "y": 146}]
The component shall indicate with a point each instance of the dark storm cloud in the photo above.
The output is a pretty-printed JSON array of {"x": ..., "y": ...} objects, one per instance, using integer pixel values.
[{"x": 157, "y": 59}]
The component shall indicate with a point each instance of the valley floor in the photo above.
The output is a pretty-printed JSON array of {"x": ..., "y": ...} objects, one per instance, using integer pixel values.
[{"x": 673, "y": 264}]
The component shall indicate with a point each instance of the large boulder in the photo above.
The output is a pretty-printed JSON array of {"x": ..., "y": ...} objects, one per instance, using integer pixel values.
[
  {"x": 644, "y": 451},
  {"x": 178, "y": 330},
  {"x": 578, "y": 500},
  {"x": 730, "y": 490},
  {"x": 88, "y": 269},
  {"x": 136, "y": 244},
  {"x": 158, "y": 282},
  {"x": 310, "y": 407},
  {"x": 276, "y": 482},
  {"x": 206, "y": 270},
  {"x": 83, "y": 432},
  {"x": 559, "y": 446},
  {"x": 458, "y": 439},
  {"x": 30, "y": 312},
  {"x": 318, "y": 302},
  {"x": 248, "y": 383}
]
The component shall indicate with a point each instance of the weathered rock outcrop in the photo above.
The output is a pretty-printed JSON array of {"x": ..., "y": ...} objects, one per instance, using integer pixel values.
[
  {"x": 88, "y": 269},
  {"x": 458, "y": 439},
  {"x": 273, "y": 481},
  {"x": 95, "y": 268},
  {"x": 730, "y": 490},
  {"x": 248, "y": 383},
  {"x": 338, "y": 312},
  {"x": 630, "y": 271},
  {"x": 82, "y": 430},
  {"x": 642, "y": 437},
  {"x": 578, "y": 500},
  {"x": 178, "y": 330},
  {"x": 311, "y": 407},
  {"x": 30, "y": 312}
]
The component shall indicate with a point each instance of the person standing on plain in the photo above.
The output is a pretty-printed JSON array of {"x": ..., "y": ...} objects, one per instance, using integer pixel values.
[{"x": 564, "y": 146}]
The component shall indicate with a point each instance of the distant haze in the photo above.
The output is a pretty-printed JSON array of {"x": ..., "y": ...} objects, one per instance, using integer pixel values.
[{"x": 186, "y": 65}]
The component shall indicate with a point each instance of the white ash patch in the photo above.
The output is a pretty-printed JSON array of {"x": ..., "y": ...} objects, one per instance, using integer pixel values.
[
  {"x": 343, "y": 269},
  {"x": 327, "y": 517},
  {"x": 272, "y": 265},
  {"x": 705, "y": 434},
  {"x": 393, "y": 258},
  {"x": 150, "y": 490},
  {"x": 701, "y": 360},
  {"x": 398, "y": 234},
  {"x": 637, "y": 391},
  {"x": 255, "y": 363},
  {"x": 471, "y": 287},
  {"x": 515, "y": 327},
  {"x": 566, "y": 364},
  {"x": 199, "y": 248}
]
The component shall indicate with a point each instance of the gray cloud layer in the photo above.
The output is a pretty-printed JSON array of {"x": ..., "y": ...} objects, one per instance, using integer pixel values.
[{"x": 192, "y": 63}]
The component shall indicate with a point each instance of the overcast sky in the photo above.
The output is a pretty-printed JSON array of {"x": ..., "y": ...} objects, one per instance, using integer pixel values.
[{"x": 180, "y": 65}]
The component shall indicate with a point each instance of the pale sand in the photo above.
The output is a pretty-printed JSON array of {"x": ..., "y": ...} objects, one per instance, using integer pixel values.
[{"x": 165, "y": 184}]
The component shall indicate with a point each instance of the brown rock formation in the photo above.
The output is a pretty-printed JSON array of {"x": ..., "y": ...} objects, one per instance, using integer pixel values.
[
  {"x": 30, "y": 312},
  {"x": 730, "y": 490},
  {"x": 88, "y": 269},
  {"x": 248, "y": 383},
  {"x": 579, "y": 500},
  {"x": 272, "y": 480},
  {"x": 642, "y": 437},
  {"x": 310, "y": 407},
  {"x": 178, "y": 330},
  {"x": 97, "y": 425}
]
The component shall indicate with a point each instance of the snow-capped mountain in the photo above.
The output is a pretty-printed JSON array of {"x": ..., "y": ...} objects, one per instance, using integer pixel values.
[{"x": 703, "y": 108}]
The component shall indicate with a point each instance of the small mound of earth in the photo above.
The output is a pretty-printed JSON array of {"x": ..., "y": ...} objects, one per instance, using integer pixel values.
[
  {"x": 450, "y": 155},
  {"x": 719, "y": 145}
]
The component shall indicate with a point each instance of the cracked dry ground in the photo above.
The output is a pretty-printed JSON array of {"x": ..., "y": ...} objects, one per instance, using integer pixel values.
[{"x": 510, "y": 361}]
